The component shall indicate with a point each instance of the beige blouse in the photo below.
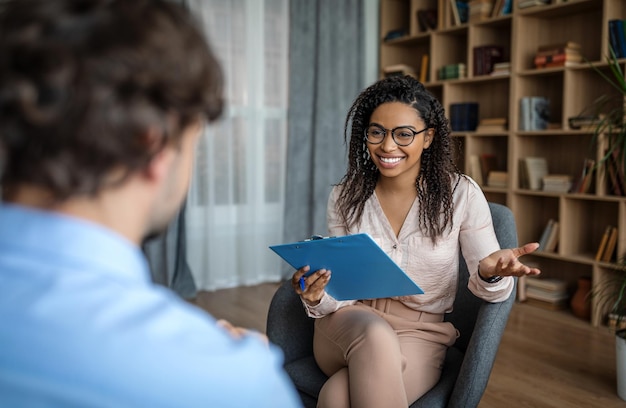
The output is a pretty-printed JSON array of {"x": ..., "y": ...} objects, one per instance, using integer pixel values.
[{"x": 433, "y": 267}]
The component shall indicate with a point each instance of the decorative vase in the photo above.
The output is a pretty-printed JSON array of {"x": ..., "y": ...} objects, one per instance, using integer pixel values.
[{"x": 581, "y": 307}]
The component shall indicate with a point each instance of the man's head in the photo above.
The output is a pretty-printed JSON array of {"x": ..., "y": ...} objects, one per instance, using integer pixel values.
[{"x": 92, "y": 86}]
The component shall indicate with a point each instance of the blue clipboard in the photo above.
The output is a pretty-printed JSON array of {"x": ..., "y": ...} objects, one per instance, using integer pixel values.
[{"x": 360, "y": 268}]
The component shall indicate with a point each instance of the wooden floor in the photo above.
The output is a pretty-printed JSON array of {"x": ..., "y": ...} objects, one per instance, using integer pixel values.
[{"x": 546, "y": 359}]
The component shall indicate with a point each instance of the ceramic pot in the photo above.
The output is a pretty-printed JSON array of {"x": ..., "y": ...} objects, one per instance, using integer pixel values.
[{"x": 580, "y": 304}]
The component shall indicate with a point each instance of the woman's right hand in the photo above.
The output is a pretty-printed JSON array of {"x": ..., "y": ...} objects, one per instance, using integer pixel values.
[{"x": 313, "y": 284}]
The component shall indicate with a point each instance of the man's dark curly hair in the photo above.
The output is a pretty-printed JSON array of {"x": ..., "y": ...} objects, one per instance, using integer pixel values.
[
  {"x": 82, "y": 81},
  {"x": 434, "y": 184}
]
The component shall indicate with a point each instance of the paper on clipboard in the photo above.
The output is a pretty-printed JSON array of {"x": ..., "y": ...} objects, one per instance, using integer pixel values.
[{"x": 360, "y": 268}]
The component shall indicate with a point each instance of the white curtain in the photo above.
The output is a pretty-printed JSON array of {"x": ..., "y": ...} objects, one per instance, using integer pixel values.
[{"x": 235, "y": 205}]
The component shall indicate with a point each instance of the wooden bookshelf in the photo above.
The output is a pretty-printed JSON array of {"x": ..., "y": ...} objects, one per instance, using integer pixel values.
[{"x": 583, "y": 218}]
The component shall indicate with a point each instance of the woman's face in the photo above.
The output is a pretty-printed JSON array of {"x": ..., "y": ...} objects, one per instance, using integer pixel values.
[{"x": 391, "y": 159}]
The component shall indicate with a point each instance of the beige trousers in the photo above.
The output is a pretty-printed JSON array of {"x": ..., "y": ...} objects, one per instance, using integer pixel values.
[{"x": 379, "y": 353}]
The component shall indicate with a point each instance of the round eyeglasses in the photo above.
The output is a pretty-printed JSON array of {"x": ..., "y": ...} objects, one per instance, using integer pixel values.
[{"x": 402, "y": 135}]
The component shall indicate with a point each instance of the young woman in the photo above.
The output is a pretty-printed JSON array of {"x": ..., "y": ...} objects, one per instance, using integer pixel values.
[{"x": 403, "y": 188}]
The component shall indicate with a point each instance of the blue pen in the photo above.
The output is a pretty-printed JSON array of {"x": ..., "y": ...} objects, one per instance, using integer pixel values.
[{"x": 302, "y": 283}]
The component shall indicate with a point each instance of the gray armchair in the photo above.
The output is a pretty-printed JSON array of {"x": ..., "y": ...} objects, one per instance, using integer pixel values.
[{"x": 467, "y": 365}]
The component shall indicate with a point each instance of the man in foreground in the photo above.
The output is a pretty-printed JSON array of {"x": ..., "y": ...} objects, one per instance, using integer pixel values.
[{"x": 101, "y": 105}]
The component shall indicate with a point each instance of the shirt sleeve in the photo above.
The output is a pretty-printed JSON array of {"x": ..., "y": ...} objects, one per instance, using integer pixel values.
[
  {"x": 478, "y": 240},
  {"x": 326, "y": 306}
]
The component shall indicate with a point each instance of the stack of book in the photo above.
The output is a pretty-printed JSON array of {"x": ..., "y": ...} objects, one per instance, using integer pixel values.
[
  {"x": 497, "y": 179},
  {"x": 558, "y": 55},
  {"x": 399, "y": 70},
  {"x": 464, "y": 116},
  {"x": 531, "y": 3},
  {"x": 548, "y": 293},
  {"x": 485, "y": 57},
  {"x": 557, "y": 183},
  {"x": 501, "y": 68},
  {"x": 492, "y": 125},
  {"x": 480, "y": 10},
  {"x": 452, "y": 71}
]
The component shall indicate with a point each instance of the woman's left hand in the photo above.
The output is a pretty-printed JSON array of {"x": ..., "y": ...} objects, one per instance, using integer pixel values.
[{"x": 505, "y": 262}]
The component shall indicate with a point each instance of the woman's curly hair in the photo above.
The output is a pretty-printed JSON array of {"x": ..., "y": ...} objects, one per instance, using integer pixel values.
[
  {"x": 434, "y": 184},
  {"x": 81, "y": 81}
]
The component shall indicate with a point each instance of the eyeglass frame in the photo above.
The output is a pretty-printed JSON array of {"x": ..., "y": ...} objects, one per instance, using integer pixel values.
[{"x": 415, "y": 133}]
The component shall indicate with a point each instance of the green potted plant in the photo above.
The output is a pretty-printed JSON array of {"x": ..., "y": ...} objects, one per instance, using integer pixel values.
[{"x": 610, "y": 114}]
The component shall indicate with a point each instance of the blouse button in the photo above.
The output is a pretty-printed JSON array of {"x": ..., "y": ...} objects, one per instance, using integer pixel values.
[{"x": 395, "y": 246}]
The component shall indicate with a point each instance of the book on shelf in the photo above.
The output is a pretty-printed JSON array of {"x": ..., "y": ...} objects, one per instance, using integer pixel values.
[
  {"x": 494, "y": 121},
  {"x": 545, "y": 295},
  {"x": 395, "y": 34},
  {"x": 545, "y": 234},
  {"x": 488, "y": 163},
  {"x": 584, "y": 183},
  {"x": 480, "y": 10},
  {"x": 615, "y": 173},
  {"x": 497, "y": 179},
  {"x": 490, "y": 128},
  {"x": 556, "y": 59},
  {"x": 464, "y": 116},
  {"x": 617, "y": 37},
  {"x": 532, "y": 171},
  {"x": 424, "y": 69},
  {"x": 603, "y": 241},
  {"x": 611, "y": 243},
  {"x": 427, "y": 19},
  {"x": 501, "y": 68},
  {"x": 553, "y": 239},
  {"x": 498, "y": 5},
  {"x": 456, "y": 17},
  {"x": 557, "y": 183},
  {"x": 580, "y": 122},
  {"x": 452, "y": 71},
  {"x": 485, "y": 57},
  {"x": 532, "y": 3},
  {"x": 549, "y": 293},
  {"x": 492, "y": 125},
  {"x": 534, "y": 113},
  {"x": 399, "y": 70},
  {"x": 548, "y": 284}
]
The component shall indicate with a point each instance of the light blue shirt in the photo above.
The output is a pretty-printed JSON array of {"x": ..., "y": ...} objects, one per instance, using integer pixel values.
[{"x": 81, "y": 325}]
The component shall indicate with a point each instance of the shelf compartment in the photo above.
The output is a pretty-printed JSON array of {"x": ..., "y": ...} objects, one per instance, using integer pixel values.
[
  {"x": 491, "y": 95},
  {"x": 558, "y": 24},
  {"x": 584, "y": 223},
  {"x": 542, "y": 208}
]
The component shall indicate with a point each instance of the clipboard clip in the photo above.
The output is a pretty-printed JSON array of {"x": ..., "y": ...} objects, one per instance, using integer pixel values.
[{"x": 314, "y": 238}]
